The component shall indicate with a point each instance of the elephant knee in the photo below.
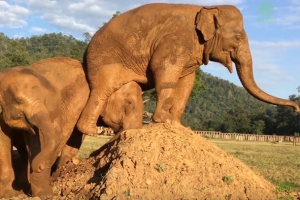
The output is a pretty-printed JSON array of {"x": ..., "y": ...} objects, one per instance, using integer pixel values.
[
  {"x": 6, "y": 176},
  {"x": 167, "y": 104},
  {"x": 38, "y": 165},
  {"x": 45, "y": 158}
]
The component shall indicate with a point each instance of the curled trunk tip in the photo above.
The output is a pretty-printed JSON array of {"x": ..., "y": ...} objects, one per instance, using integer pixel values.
[{"x": 247, "y": 79}]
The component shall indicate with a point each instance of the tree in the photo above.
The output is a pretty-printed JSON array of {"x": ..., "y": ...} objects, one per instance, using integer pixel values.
[
  {"x": 257, "y": 127},
  {"x": 268, "y": 117},
  {"x": 16, "y": 54},
  {"x": 198, "y": 85},
  {"x": 40, "y": 54},
  {"x": 236, "y": 120},
  {"x": 287, "y": 120},
  {"x": 87, "y": 37},
  {"x": 117, "y": 13},
  {"x": 4, "y": 40}
]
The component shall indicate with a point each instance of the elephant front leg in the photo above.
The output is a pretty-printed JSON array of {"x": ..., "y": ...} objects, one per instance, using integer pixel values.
[
  {"x": 39, "y": 179},
  {"x": 7, "y": 176},
  {"x": 167, "y": 69},
  {"x": 181, "y": 96},
  {"x": 103, "y": 82},
  {"x": 163, "y": 104},
  {"x": 43, "y": 151},
  {"x": 71, "y": 148}
]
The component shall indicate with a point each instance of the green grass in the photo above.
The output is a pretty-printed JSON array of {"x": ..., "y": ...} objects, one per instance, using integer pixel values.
[
  {"x": 279, "y": 163},
  {"x": 90, "y": 144}
]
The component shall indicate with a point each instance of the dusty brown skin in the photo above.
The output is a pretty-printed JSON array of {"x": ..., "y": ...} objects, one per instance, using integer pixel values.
[
  {"x": 123, "y": 111},
  {"x": 41, "y": 105},
  {"x": 161, "y": 45},
  {"x": 21, "y": 112}
]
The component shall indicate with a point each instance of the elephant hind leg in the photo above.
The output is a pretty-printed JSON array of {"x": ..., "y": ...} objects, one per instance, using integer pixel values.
[{"x": 103, "y": 84}]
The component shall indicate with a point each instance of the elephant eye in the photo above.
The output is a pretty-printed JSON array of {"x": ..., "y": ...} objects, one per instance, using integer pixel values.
[
  {"x": 238, "y": 37},
  {"x": 18, "y": 101}
]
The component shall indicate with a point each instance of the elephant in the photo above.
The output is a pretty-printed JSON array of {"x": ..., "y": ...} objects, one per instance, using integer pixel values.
[
  {"x": 160, "y": 45},
  {"x": 40, "y": 106}
]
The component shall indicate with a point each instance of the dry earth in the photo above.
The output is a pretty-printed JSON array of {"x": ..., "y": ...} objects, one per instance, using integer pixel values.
[{"x": 160, "y": 161}]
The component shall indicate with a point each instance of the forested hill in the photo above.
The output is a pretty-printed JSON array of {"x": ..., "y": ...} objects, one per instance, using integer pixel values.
[
  {"x": 216, "y": 104},
  {"x": 25, "y": 51},
  {"x": 219, "y": 101},
  {"x": 222, "y": 106}
]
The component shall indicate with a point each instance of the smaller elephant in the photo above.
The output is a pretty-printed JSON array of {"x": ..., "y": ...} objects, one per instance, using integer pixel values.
[
  {"x": 123, "y": 111},
  {"x": 40, "y": 106},
  {"x": 30, "y": 103}
]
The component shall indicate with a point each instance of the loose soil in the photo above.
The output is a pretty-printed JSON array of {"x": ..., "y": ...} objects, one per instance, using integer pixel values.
[{"x": 160, "y": 161}]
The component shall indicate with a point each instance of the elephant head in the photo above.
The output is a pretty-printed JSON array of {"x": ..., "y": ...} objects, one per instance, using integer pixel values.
[
  {"x": 27, "y": 109},
  {"x": 225, "y": 41}
]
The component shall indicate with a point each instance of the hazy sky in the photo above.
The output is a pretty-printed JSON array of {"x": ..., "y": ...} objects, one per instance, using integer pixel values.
[{"x": 273, "y": 29}]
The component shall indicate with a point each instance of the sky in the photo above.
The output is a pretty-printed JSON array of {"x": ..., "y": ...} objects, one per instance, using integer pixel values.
[{"x": 273, "y": 29}]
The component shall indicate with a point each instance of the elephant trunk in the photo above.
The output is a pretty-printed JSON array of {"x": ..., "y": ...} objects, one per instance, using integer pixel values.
[
  {"x": 244, "y": 70},
  {"x": 48, "y": 141}
]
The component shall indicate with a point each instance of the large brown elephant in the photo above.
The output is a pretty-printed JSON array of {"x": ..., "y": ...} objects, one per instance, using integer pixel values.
[
  {"x": 161, "y": 45},
  {"x": 40, "y": 106}
]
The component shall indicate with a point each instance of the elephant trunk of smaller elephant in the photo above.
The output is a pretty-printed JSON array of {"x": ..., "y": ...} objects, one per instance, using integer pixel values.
[
  {"x": 244, "y": 69},
  {"x": 48, "y": 141}
]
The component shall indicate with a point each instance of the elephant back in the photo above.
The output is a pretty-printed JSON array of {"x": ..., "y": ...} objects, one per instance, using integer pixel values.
[
  {"x": 68, "y": 77},
  {"x": 61, "y": 71}
]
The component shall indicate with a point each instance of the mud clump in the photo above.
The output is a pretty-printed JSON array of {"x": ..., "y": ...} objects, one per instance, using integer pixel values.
[{"x": 160, "y": 161}]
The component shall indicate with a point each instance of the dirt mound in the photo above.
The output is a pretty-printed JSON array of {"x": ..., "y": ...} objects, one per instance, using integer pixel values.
[{"x": 161, "y": 161}]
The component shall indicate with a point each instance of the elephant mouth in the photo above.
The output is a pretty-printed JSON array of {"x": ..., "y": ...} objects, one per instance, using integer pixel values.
[
  {"x": 228, "y": 61},
  {"x": 224, "y": 58}
]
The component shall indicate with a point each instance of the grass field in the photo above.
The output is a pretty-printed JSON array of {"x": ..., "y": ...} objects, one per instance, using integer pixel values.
[
  {"x": 279, "y": 163},
  {"x": 90, "y": 144}
]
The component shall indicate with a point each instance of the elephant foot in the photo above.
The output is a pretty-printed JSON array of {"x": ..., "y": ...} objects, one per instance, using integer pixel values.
[
  {"x": 41, "y": 191},
  {"x": 161, "y": 117},
  {"x": 175, "y": 123},
  {"x": 8, "y": 192},
  {"x": 63, "y": 160},
  {"x": 87, "y": 129},
  {"x": 40, "y": 185}
]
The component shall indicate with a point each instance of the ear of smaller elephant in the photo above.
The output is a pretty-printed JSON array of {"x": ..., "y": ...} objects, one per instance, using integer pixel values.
[{"x": 205, "y": 22}]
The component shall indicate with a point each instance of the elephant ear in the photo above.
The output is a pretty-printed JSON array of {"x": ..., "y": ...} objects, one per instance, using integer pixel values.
[{"x": 206, "y": 22}]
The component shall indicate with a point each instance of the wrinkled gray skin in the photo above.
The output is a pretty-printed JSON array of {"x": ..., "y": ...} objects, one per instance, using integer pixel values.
[
  {"x": 40, "y": 106},
  {"x": 161, "y": 46}
]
